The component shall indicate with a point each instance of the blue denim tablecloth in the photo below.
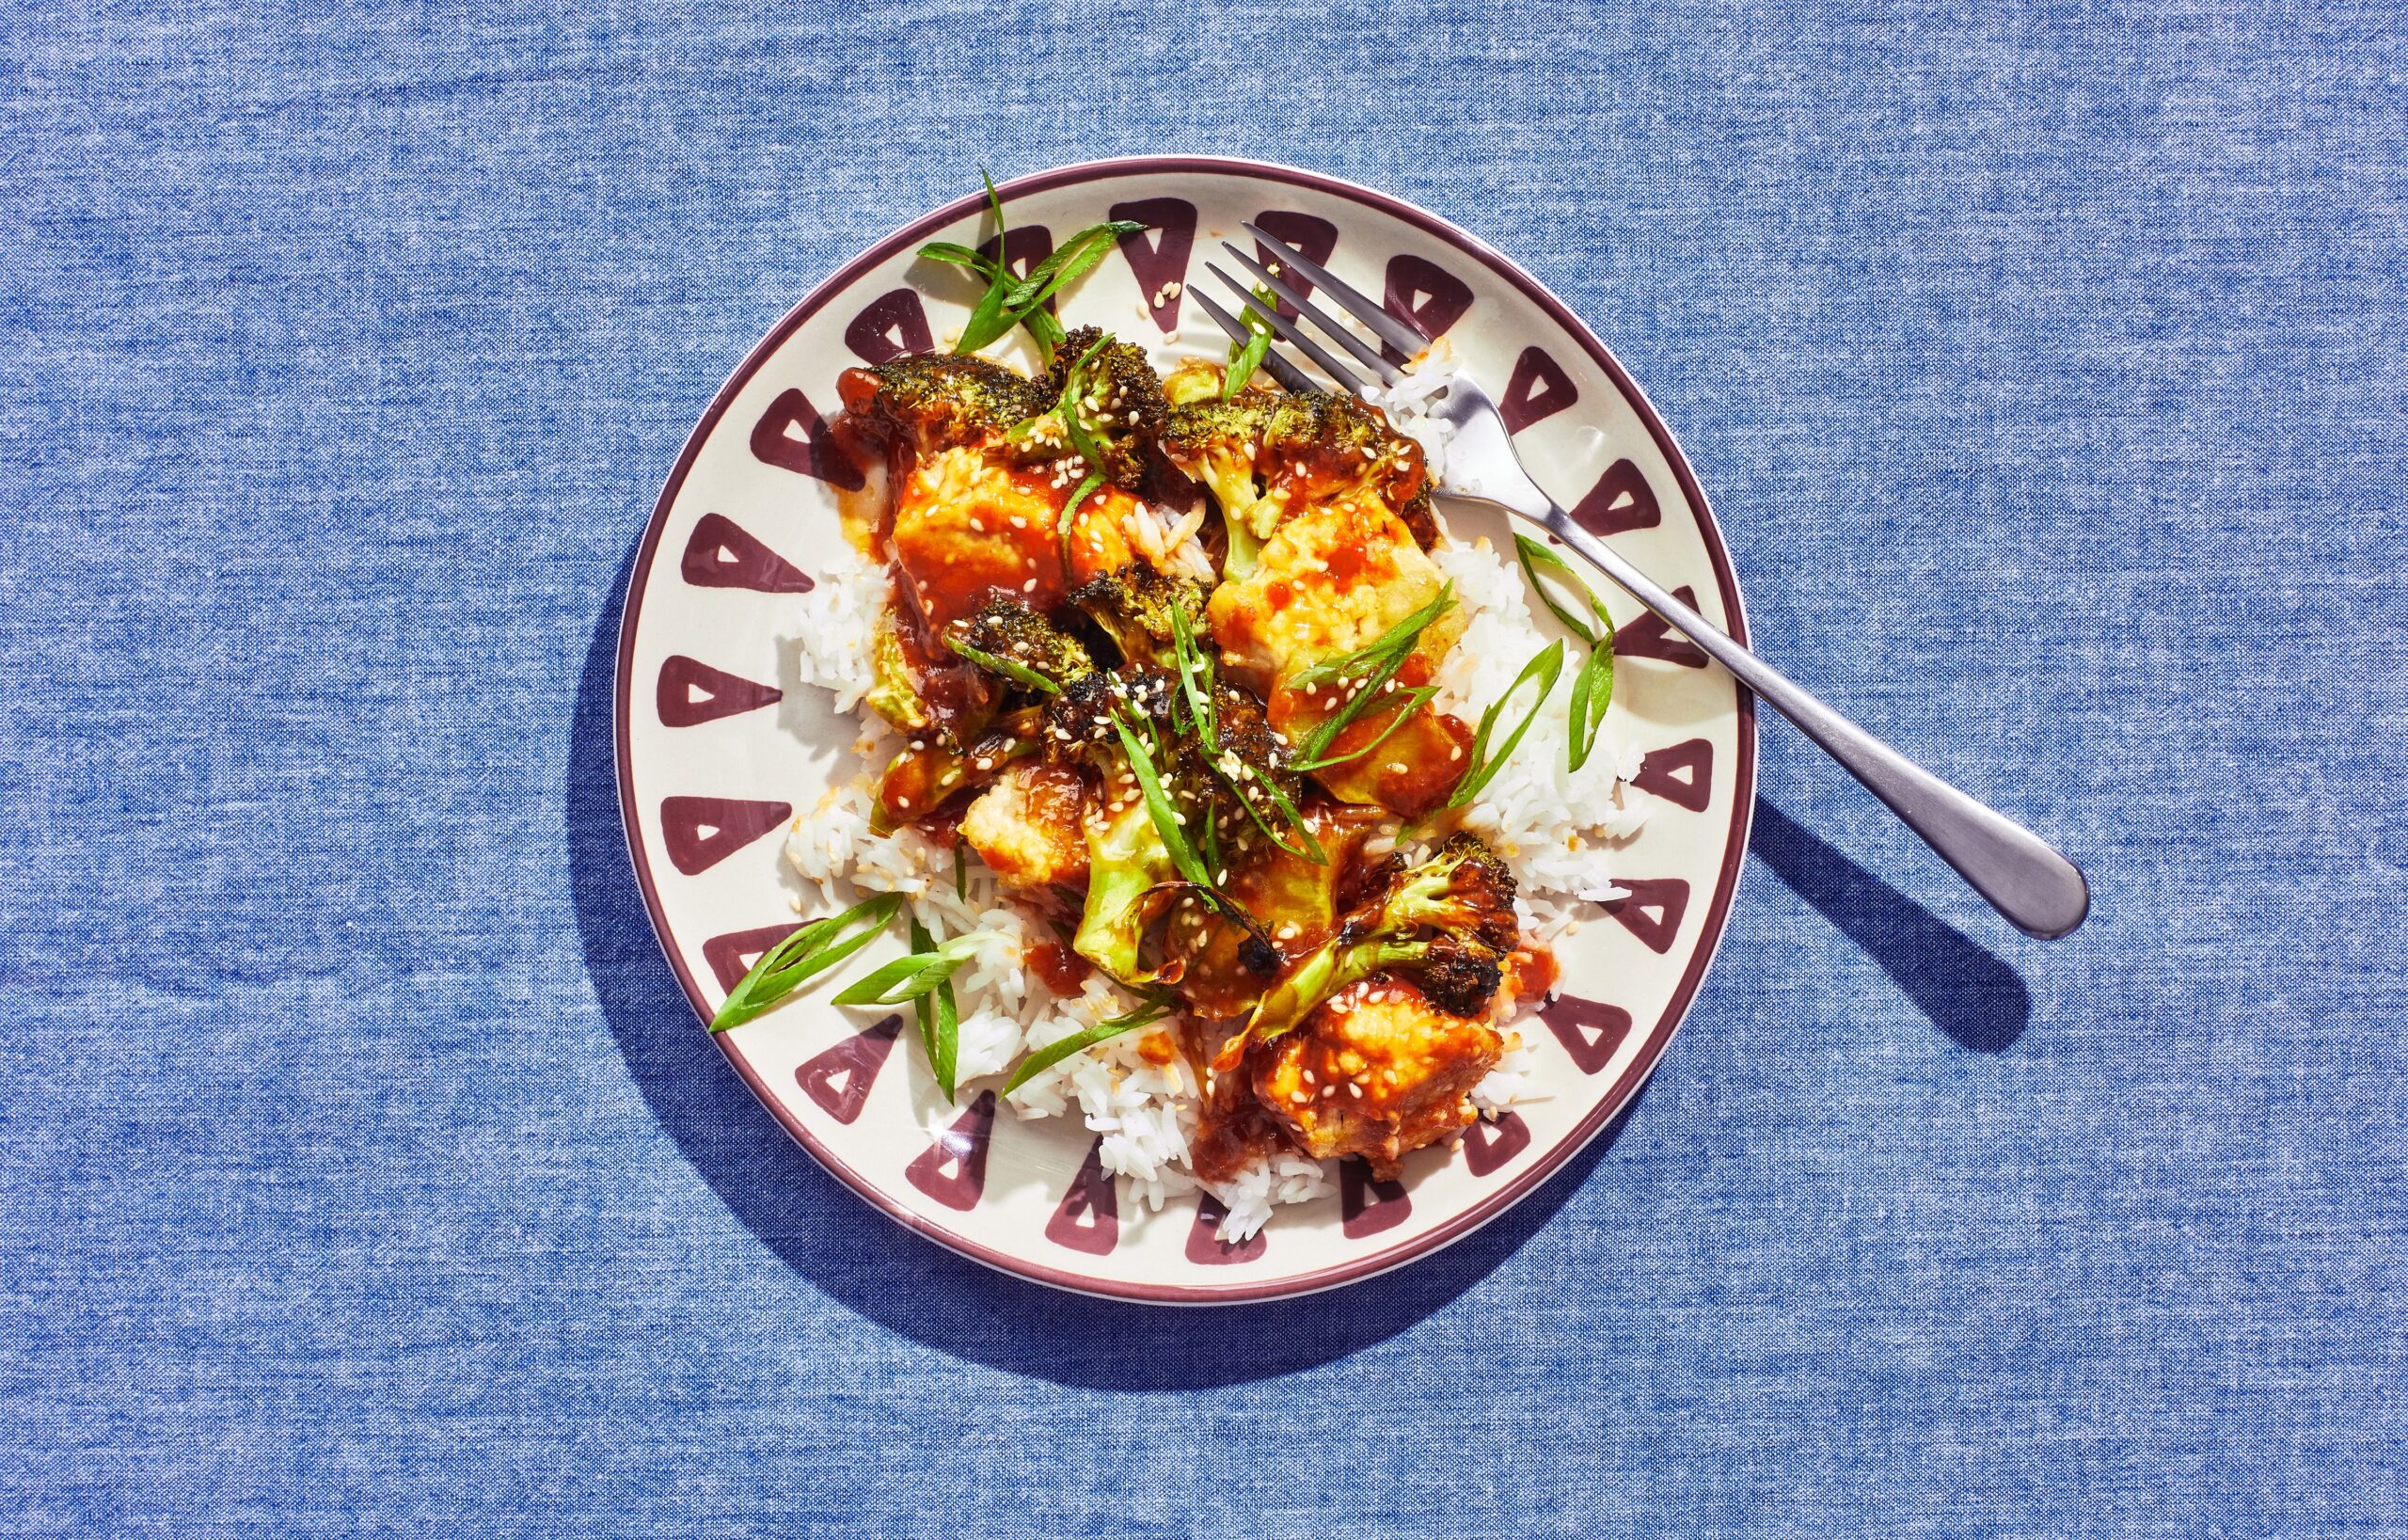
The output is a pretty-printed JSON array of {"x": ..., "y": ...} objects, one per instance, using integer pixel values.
[{"x": 364, "y": 1171}]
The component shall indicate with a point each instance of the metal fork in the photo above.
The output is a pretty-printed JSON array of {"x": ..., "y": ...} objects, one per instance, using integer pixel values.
[{"x": 2023, "y": 877}]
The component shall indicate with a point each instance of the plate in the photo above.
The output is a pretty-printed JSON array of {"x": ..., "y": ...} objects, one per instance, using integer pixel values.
[{"x": 719, "y": 745}]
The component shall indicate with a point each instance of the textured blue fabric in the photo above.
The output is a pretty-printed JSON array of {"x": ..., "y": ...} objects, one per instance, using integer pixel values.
[{"x": 363, "y": 1170}]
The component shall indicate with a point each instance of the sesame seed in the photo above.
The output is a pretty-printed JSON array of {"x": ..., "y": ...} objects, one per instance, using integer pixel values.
[{"x": 1355, "y": 1088}]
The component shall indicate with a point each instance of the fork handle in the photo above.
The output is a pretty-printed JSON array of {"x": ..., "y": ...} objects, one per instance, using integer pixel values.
[{"x": 2022, "y": 876}]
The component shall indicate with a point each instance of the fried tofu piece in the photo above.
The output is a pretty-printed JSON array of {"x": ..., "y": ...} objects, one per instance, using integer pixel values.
[
  {"x": 1100, "y": 542},
  {"x": 966, "y": 527},
  {"x": 1333, "y": 580},
  {"x": 1334, "y": 577},
  {"x": 1377, "y": 1071},
  {"x": 1030, "y": 827}
]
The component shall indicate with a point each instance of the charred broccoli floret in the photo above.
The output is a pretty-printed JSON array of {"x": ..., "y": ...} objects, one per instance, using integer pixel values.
[
  {"x": 1112, "y": 387},
  {"x": 1009, "y": 638},
  {"x": 938, "y": 401},
  {"x": 1264, "y": 449},
  {"x": 1450, "y": 921},
  {"x": 1134, "y": 607}
]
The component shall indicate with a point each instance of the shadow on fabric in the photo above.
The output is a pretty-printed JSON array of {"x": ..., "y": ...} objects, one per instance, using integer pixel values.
[
  {"x": 872, "y": 1266},
  {"x": 1967, "y": 990}
]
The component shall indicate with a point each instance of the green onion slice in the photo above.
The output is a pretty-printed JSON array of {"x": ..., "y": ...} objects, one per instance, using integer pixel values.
[
  {"x": 1079, "y": 1043},
  {"x": 1546, "y": 668},
  {"x": 811, "y": 950}
]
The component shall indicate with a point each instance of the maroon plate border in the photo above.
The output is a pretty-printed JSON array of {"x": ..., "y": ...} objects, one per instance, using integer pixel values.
[{"x": 1617, "y": 1097}]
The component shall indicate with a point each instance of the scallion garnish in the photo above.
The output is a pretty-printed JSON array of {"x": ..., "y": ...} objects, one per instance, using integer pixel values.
[
  {"x": 1191, "y": 661},
  {"x": 916, "y": 974},
  {"x": 960, "y": 868},
  {"x": 1546, "y": 667},
  {"x": 1015, "y": 301},
  {"x": 1312, "y": 849},
  {"x": 1246, "y": 356},
  {"x": 1407, "y": 705},
  {"x": 1154, "y": 1009},
  {"x": 1593, "y": 687},
  {"x": 1158, "y": 807},
  {"x": 810, "y": 951},
  {"x": 1018, "y": 673},
  {"x": 1398, "y": 638}
]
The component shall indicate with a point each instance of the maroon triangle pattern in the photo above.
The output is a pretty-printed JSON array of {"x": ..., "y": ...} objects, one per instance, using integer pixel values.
[
  {"x": 893, "y": 324},
  {"x": 1367, "y": 1207},
  {"x": 732, "y": 956},
  {"x": 720, "y": 554},
  {"x": 1497, "y": 1138},
  {"x": 1649, "y": 637},
  {"x": 1206, "y": 1248},
  {"x": 1088, "y": 1218},
  {"x": 1158, "y": 254},
  {"x": 1314, "y": 236},
  {"x": 1023, "y": 248},
  {"x": 953, "y": 1170},
  {"x": 792, "y": 436},
  {"x": 702, "y": 832},
  {"x": 840, "y": 1079},
  {"x": 1424, "y": 296},
  {"x": 1682, "y": 774},
  {"x": 1538, "y": 390},
  {"x": 1622, "y": 500},
  {"x": 1654, "y": 909},
  {"x": 1589, "y": 1031},
  {"x": 721, "y": 694}
]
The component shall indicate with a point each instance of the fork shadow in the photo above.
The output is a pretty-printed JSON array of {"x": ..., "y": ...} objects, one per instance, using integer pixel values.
[
  {"x": 1967, "y": 990},
  {"x": 871, "y": 1266}
]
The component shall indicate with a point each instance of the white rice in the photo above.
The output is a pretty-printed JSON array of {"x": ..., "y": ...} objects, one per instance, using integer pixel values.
[{"x": 1558, "y": 828}]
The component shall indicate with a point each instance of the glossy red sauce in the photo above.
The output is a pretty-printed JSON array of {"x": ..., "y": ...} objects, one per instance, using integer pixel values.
[{"x": 1062, "y": 969}]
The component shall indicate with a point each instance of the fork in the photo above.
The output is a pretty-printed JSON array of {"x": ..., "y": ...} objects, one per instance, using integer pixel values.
[{"x": 2022, "y": 875}]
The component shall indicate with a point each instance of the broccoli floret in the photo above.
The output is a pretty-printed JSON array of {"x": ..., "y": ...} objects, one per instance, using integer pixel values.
[
  {"x": 1134, "y": 607},
  {"x": 1119, "y": 403},
  {"x": 1078, "y": 722},
  {"x": 1263, "y": 449},
  {"x": 938, "y": 401},
  {"x": 1463, "y": 889},
  {"x": 1450, "y": 921},
  {"x": 1009, "y": 638},
  {"x": 1130, "y": 877}
]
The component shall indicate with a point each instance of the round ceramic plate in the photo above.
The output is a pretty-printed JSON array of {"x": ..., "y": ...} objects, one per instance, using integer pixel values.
[{"x": 719, "y": 744}]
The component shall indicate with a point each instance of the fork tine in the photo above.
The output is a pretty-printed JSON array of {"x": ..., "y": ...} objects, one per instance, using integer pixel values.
[
  {"x": 1347, "y": 380},
  {"x": 1305, "y": 307},
  {"x": 1395, "y": 333},
  {"x": 1288, "y": 374}
]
